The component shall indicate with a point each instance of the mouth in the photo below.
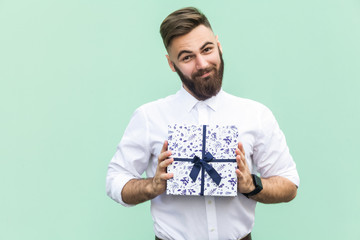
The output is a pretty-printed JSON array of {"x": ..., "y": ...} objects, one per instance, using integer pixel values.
[{"x": 205, "y": 74}]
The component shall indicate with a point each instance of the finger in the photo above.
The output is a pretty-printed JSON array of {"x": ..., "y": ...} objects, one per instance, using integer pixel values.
[
  {"x": 240, "y": 151},
  {"x": 241, "y": 148},
  {"x": 240, "y": 163},
  {"x": 164, "y": 153},
  {"x": 166, "y": 176},
  {"x": 243, "y": 159},
  {"x": 239, "y": 174},
  {"x": 239, "y": 154},
  {"x": 166, "y": 163},
  {"x": 163, "y": 156},
  {"x": 165, "y": 146}
]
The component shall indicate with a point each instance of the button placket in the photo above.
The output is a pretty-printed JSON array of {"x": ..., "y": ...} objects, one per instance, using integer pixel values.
[
  {"x": 202, "y": 113},
  {"x": 209, "y": 200}
]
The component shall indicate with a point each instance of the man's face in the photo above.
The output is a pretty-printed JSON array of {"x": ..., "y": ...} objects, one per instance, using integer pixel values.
[{"x": 197, "y": 59}]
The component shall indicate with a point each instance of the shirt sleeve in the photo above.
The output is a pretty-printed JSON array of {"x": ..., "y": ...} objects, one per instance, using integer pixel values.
[
  {"x": 131, "y": 158},
  {"x": 271, "y": 153}
]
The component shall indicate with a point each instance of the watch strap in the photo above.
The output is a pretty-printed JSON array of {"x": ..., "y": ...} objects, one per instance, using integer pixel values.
[{"x": 258, "y": 186}]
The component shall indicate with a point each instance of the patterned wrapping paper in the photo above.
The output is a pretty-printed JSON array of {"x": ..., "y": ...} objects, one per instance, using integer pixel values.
[{"x": 186, "y": 142}]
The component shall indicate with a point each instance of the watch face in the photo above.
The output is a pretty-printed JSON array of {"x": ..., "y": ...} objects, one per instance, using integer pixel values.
[{"x": 257, "y": 181}]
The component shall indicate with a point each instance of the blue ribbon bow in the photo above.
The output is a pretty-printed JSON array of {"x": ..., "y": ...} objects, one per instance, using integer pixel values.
[{"x": 203, "y": 163}]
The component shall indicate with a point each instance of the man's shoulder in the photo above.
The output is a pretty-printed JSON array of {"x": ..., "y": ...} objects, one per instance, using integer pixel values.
[
  {"x": 244, "y": 102},
  {"x": 158, "y": 104}
]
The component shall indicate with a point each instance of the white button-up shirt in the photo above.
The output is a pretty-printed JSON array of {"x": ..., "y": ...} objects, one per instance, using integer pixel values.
[{"x": 200, "y": 217}]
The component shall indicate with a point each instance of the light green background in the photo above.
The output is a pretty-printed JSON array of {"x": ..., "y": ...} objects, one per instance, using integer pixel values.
[{"x": 72, "y": 72}]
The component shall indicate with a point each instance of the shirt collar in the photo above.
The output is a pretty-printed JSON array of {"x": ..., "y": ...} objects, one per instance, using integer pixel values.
[{"x": 189, "y": 101}]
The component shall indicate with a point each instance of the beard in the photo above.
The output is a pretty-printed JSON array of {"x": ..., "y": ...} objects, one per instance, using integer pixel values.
[{"x": 204, "y": 88}]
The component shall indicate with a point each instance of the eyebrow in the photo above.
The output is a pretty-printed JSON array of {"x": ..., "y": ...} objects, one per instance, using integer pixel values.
[{"x": 187, "y": 51}]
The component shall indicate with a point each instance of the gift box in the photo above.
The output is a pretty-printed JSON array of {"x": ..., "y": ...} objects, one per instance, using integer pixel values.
[{"x": 204, "y": 160}]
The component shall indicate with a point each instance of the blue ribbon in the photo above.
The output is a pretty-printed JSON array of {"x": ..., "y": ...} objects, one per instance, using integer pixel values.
[{"x": 202, "y": 164}]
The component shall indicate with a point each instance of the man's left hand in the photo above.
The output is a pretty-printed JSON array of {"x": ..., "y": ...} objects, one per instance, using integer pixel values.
[{"x": 245, "y": 181}]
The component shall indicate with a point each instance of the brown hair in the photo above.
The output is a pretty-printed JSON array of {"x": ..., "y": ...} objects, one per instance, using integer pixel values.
[{"x": 181, "y": 22}]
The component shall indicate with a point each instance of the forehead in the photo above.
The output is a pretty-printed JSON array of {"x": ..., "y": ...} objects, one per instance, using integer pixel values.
[{"x": 192, "y": 41}]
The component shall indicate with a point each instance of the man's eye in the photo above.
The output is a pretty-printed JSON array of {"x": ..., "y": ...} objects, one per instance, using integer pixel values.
[
  {"x": 186, "y": 58},
  {"x": 208, "y": 49}
]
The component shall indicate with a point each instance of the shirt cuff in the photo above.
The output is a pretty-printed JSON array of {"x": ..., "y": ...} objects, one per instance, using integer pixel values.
[
  {"x": 116, "y": 188},
  {"x": 293, "y": 176}
]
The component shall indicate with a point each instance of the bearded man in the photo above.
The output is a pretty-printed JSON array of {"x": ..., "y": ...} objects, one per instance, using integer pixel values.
[{"x": 195, "y": 53}]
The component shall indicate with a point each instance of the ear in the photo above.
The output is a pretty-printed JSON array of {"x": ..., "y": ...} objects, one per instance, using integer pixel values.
[
  {"x": 170, "y": 63},
  {"x": 218, "y": 43}
]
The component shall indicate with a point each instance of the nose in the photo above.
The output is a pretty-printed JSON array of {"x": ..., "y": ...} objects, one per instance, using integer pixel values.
[{"x": 201, "y": 62}]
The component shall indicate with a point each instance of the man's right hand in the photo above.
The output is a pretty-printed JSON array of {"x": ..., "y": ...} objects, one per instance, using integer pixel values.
[
  {"x": 161, "y": 176},
  {"x": 140, "y": 190}
]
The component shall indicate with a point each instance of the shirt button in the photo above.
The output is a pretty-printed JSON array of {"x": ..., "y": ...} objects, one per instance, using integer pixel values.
[
  {"x": 213, "y": 229},
  {"x": 209, "y": 202}
]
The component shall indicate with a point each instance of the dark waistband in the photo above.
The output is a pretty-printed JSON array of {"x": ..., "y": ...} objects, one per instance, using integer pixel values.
[{"x": 248, "y": 237}]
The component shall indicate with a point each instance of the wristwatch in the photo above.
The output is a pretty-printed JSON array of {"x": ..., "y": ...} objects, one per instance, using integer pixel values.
[{"x": 258, "y": 186}]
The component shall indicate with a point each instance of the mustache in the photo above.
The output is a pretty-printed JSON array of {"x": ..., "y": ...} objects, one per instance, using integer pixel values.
[{"x": 202, "y": 72}]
